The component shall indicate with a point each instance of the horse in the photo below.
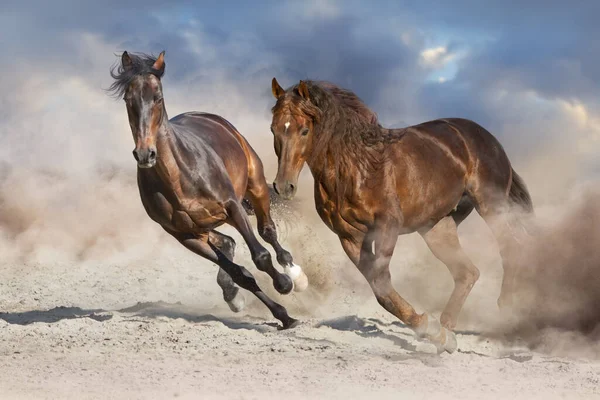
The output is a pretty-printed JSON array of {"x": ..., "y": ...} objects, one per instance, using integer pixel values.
[
  {"x": 193, "y": 173},
  {"x": 372, "y": 184}
]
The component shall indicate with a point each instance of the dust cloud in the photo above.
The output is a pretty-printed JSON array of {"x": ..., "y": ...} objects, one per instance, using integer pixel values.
[{"x": 68, "y": 194}]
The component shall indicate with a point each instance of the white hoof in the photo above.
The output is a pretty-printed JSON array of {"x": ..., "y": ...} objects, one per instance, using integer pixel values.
[
  {"x": 450, "y": 344},
  {"x": 298, "y": 277},
  {"x": 238, "y": 303},
  {"x": 430, "y": 328}
]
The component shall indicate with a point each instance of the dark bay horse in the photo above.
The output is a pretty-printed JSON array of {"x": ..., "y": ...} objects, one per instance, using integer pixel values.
[
  {"x": 193, "y": 173},
  {"x": 373, "y": 184}
]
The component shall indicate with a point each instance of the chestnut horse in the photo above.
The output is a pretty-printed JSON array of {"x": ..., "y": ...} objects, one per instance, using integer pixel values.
[
  {"x": 193, "y": 173},
  {"x": 373, "y": 184}
]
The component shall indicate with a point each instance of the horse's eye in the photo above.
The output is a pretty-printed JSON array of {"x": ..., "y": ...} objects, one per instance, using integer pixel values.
[
  {"x": 304, "y": 132},
  {"x": 159, "y": 100}
]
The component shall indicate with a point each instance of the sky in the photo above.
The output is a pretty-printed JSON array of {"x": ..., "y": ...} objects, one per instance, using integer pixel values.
[
  {"x": 528, "y": 71},
  {"x": 500, "y": 63}
]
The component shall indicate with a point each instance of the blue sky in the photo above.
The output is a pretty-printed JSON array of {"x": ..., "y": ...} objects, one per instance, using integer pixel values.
[{"x": 528, "y": 71}]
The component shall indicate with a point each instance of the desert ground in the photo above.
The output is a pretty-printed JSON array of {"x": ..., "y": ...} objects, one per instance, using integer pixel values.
[{"x": 125, "y": 312}]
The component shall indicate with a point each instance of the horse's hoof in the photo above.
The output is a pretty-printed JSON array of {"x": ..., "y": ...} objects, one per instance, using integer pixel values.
[
  {"x": 298, "y": 277},
  {"x": 443, "y": 339},
  {"x": 238, "y": 303},
  {"x": 289, "y": 324},
  {"x": 450, "y": 344},
  {"x": 429, "y": 328}
]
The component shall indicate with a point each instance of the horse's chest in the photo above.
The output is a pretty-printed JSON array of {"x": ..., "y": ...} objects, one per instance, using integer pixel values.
[
  {"x": 327, "y": 210},
  {"x": 338, "y": 219}
]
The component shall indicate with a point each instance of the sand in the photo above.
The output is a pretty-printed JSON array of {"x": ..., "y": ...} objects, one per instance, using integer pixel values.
[{"x": 151, "y": 324}]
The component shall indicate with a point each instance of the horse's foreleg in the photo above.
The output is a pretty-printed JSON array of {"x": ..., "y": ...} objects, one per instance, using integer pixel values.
[
  {"x": 443, "y": 242},
  {"x": 231, "y": 293},
  {"x": 259, "y": 196},
  {"x": 204, "y": 247},
  {"x": 372, "y": 254},
  {"x": 260, "y": 256}
]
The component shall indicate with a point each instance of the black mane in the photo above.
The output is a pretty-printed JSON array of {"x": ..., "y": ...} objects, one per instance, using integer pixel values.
[{"x": 141, "y": 65}]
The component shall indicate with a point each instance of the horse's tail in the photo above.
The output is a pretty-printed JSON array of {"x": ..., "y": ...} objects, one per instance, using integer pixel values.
[{"x": 519, "y": 195}]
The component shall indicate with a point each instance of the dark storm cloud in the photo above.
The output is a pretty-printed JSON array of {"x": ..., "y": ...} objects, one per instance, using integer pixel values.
[
  {"x": 323, "y": 49},
  {"x": 546, "y": 46},
  {"x": 333, "y": 50}
]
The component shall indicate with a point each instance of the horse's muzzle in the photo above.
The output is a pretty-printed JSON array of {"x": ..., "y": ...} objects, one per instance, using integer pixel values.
[
  {"x": 285, "y": 189},
  {"x": 146, "y": 158}
]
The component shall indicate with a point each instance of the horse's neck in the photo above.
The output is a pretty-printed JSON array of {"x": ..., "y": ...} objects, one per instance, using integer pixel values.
[
  {"x": 344, "y": 162},
  {"x": 168, "y": 160},
  {"x": 330, "y": 173}
]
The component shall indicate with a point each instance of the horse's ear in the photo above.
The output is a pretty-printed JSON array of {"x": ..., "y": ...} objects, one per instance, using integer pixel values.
[
  {"x": 159, "y": 64},
  {"x": 276, "y": 89},
  {"x": 126, "y": 61},
  {"x": 303, "y": 90}
]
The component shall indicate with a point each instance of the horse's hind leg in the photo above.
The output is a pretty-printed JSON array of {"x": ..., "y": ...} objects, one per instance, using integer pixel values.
[
  {"x": 260, "y": 256},
  {"x": 204, "y": 247},
  {"x": 492, "y": 204},
  {"x": 372, "y": 254},
  {"x": 443, "y": 242},
  {"x": 231, "y": 293},
  {"x": 500, "y": 225},
  {"x": 258, "y": 194}
]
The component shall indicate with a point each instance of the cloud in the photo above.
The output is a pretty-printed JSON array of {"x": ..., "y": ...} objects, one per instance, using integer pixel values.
[{"x": 436, "y": 57}]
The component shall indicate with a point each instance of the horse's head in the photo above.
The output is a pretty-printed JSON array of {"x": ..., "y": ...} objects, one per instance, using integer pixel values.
[
  {"x": 138, "y": 81},
  {"x": 292, "y": 127}
]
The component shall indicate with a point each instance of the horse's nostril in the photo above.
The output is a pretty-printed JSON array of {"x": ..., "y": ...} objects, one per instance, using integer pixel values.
[
  {"x": 135, "y": 155},
  {"x": 152, "y": 154},
  {"x": 275, "y": 188},
  {"x": 292, "y": 188}
]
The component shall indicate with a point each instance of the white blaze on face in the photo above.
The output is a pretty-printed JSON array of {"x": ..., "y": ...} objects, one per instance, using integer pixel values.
[{"x": 287, "y": 125}]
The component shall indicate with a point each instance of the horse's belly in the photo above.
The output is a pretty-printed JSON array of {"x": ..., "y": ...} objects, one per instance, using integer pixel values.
[
  {"x": 426, "y": 211},
  {"x": 201, "y": 215},
  {"x": 191, "y": 218}
]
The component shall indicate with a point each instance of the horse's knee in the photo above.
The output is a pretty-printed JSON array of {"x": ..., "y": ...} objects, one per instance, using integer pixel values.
[
  {"x": 378, "y": 275},
  {"x": 268, "y": 232},
  {"x": 382, "y": 288}
]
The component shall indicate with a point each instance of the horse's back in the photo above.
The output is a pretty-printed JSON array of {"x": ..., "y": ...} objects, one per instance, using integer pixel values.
[
  {"x": 485, "y": 161},
  {"x": 198, "y": 129},
  {"x": 466, "y": 139},
  {"x": 210, "y": 127}
]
